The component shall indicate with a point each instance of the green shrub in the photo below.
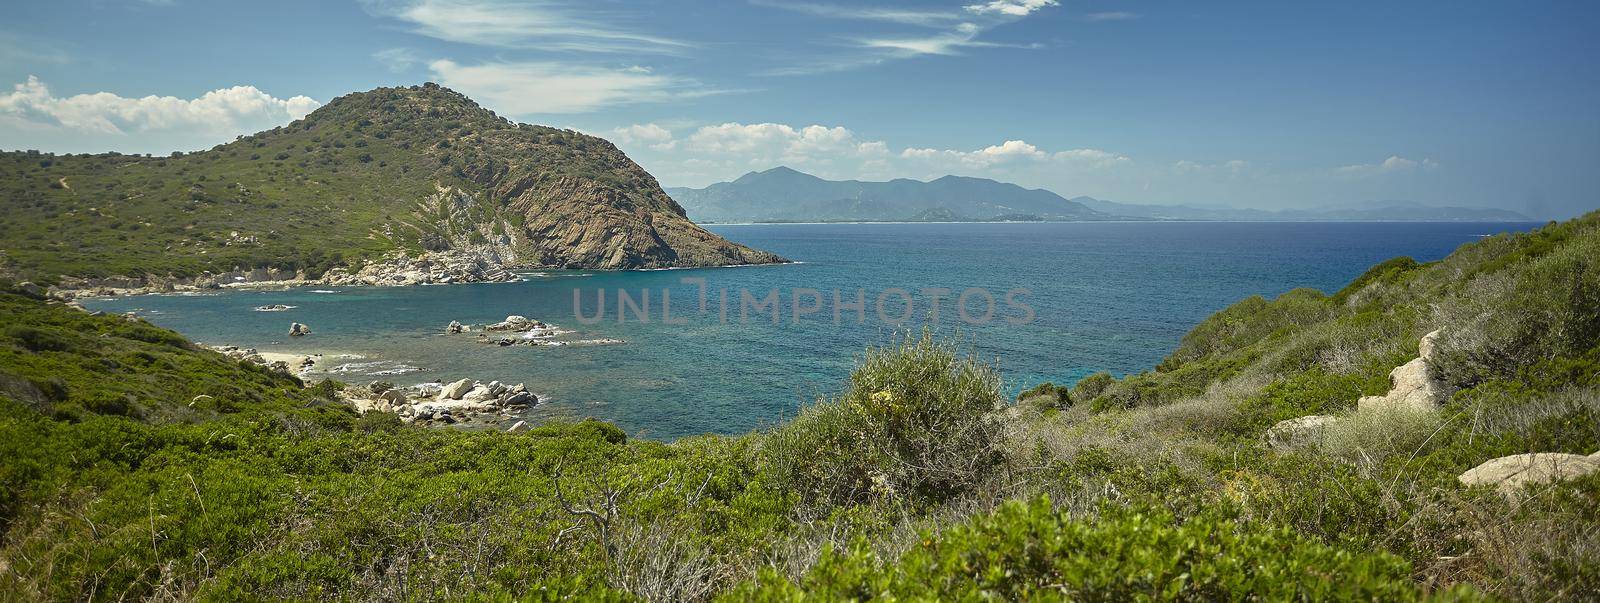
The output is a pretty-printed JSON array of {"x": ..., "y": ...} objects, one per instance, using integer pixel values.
[
  {"x": 1089, "y": 388},
  {"x": 913, "y": 424},
  {"x": 1028, "y": 551},
  {"x": 1505, "y": 321},
  {"x": 1047, "y": 395}
]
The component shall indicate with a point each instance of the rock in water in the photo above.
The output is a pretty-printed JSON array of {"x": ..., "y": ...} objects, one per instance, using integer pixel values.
[
  {"x": 455, "y": 327},
  {"x": 1509, "y": 474},
  {"x": 515, "y": 323},
  {"x": 298, "y": 330}
]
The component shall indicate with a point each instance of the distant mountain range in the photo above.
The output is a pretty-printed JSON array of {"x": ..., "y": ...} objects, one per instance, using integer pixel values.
[
  {"x": 782, "y": 194},
  {"x": 1381, "y": 211},
  {"x": 785, "y": 195}
]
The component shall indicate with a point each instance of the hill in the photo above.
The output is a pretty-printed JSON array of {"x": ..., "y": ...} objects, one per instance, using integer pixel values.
[
  {"x": 1387, "y": 211},
  {"x": 140, "y": 466},
  {"x": 782, "y": 194},
  {"x": 371, "y": 176}
]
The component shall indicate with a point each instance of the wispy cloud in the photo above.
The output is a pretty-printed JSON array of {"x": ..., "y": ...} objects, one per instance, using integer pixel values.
[
  {"x": 1111, "y": 16},
  {"x": 905, "y": 16},
  {"x": 1013, "y": 8},
  {"x": 398, "y": 60},
  {"x": 953, "y": 31},
  {"x": 528, "y": 87},
  {"x": 542, "y": 24}
]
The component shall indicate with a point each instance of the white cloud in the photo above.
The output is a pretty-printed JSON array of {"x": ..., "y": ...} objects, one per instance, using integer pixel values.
[
  {"x": 652, "y": 135},
  {"x": 239, "y": 109},
  {"x": 520, "y": 88},
  {"x": 541, "y": 24},
  {"x": 1394, "y": 164},
  {"x": 725, "y": 151},
  {"x": 1014, "y": 8}
]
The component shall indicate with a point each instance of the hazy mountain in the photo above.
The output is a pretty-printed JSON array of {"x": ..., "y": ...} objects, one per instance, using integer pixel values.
[
  {"x": 785, "y": 195},
  {"x": 1401, "y": 211}
]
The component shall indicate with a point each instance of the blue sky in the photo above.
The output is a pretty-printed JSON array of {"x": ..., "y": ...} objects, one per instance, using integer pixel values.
[{"x": 1263, "y": 104}]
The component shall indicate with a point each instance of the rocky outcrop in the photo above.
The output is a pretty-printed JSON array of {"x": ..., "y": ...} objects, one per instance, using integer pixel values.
[
  {"x": 1295, "y": 433},
  {"x": 1510, "y": 474},
  {"x": 455, "y": 327},
  {"x": 1412, "y": 385},
  {"x": 465, "y": 400},
  {"x": 429, "y": 268},
  {"x": 298, "y": 330},
  {"x": 518, "y": 324},
  {"x": 275, "y": 308}
]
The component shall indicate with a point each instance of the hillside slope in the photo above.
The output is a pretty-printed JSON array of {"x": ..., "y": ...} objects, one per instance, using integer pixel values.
[
  {"x": 138, "y": 466},
  {"x": 404, "y": 170},
  {"x": 782, "y": 194}
]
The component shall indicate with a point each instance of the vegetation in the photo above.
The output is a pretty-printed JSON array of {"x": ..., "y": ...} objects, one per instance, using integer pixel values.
[
  {"x": 359, "y": 177},
  {"x": 216, "y": 480}
]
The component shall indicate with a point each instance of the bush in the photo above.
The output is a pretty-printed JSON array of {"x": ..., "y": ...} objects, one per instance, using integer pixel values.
[
  {"x": 1027, "y": 551},
  {"x": 1048, "y": 395},
  {"x": 1508, "y": 320},
  {"x": 913, "y": 424},
  {"x": 1089, "y": 388}
]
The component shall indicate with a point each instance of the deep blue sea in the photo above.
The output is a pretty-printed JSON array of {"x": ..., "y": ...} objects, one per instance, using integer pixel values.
[{"x": 1102, "y": 296}]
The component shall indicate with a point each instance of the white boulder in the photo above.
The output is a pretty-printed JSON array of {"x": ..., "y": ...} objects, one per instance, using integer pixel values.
[{"x": 1509, "y": 474}]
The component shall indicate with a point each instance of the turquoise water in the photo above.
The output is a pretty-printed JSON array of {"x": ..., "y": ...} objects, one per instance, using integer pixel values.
[{"x": 1104, "y": 296}]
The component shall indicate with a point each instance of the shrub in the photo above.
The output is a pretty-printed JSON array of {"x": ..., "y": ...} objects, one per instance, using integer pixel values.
[
  {"x": 1048, "y": 395},
  {"x": 1089, "y": 388},
  {"x": 1028, "y": 551},
  {"x": 1508, "y": 320},
  {"x": 913, "y": 424}
]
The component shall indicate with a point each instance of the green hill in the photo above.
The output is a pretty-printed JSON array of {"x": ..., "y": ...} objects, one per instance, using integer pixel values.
[
  {"x": 394, "y": 169},
  {"x": 137, "y": 466}
]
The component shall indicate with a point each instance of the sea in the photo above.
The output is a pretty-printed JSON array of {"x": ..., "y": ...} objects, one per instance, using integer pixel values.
[{"x": 729, "y": 350}]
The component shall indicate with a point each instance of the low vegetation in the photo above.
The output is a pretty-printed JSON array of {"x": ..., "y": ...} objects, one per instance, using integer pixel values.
[
  {"x": 360, "y": 177},
  {"x": 212, "y": 479}
]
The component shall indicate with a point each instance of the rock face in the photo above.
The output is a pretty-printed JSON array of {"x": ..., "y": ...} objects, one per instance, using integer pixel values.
[
  {"x": 1412, "y": 385},
  {"x": 298, "y": 330},
  {"x": 1510, "y": 474},
  {"x": 1298, "y": 432}
]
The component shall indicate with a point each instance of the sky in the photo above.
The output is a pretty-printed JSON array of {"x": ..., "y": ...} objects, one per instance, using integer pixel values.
[{"x": 1264, "y": 104}]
